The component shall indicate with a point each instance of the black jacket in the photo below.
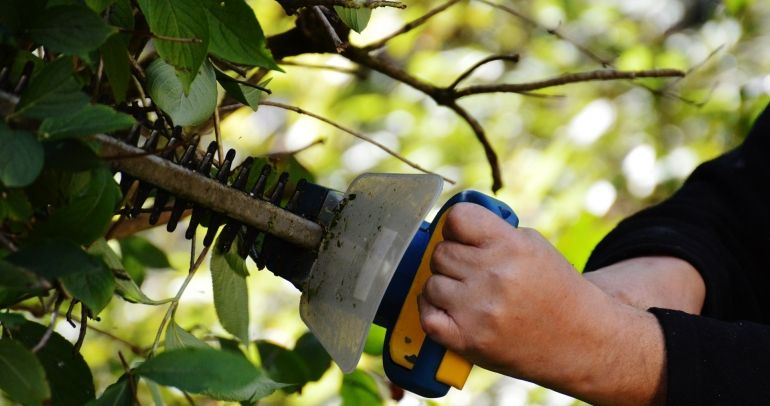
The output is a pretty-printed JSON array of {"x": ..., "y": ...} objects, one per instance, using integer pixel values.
[{"x": 719, "y": 221}]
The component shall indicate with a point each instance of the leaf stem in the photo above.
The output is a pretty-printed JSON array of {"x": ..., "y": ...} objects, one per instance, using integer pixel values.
[
  {"x": 49, "y": 330},
  {"x": 194, "y": 265}
]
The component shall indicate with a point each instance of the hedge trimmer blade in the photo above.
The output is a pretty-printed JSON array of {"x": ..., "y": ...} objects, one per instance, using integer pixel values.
[{"x": 358, "y": 256}]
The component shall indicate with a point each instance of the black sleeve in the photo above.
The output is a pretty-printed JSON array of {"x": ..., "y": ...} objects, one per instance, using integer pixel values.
[{"x": 719, "y": 221}]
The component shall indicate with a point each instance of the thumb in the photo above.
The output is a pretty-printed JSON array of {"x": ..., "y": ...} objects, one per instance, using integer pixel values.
[{"x": 439, "y": 325}]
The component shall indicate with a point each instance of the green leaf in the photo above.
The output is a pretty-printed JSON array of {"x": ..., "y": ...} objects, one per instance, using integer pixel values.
[
  {"x": 21, "y": 157},
  {"x": 52, "y": 259},
  {"x": 139, "y": 253},
  {"x": 236, "y": 35},
  {"x": 21, "y": 375},
  {"x": 155, "y": 392},
  {"x": 231, "y": 296},
  {"x": 93, "y": 287},
  {"x": 52, "y": 92},
  {"x": 124, "y": 284},
  {"x": 244, "y": 93},
  {"x": 117, "y": 394},
  {"x": 186, "y": 21},
  {"x": 67, "y": 373},
  {"x": 736, "y": 7},
  {"x": 227, "y": 344},
  {"x": 375, "y": 340},
  {"x": 122, "y": 14},
  {"x": 220, "y": 374},
  {"x": 192, "y": 108},
  {"x": 11, "y": 320},
  {"x": 310, "y": 350},
  {"x": 89, "y": 211},
  {"x": 99, "y": 5},
  {"x": 144, "y": 251},
  {"x": 178, "y": 338},
  {"x": 71, "y": 29},
  {"x": 282, "y": 364},
  {"x": 16, "y": 283},
  {"x": 70, "y": 155},
  {"x": 116, "y": 65},
  {"x": 130, "y": 291},
  {"x": 355, "y": 18},
  {"x": 16, "y": 205},
  {"x": 92, "y": 119},
  {"x": 359, "y": 388},
  {"x": 18, "y": 15}
]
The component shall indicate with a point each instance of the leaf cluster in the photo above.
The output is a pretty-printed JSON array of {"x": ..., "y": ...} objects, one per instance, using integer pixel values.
[{"x": 71, "y": 69}]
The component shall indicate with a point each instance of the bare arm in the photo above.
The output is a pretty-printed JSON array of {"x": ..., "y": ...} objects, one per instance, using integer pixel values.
[
  {"x": 508, "y": 301},
  {"x": 645, "y": 282}
]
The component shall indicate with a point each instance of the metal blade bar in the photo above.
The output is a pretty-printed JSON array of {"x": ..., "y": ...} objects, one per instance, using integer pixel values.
[{"x": 191, "y": 186}]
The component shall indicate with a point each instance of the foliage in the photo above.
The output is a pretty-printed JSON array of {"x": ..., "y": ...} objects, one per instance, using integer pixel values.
[{"x": 571, "y": 161}]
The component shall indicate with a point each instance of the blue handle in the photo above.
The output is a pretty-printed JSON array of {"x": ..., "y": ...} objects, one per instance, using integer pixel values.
[{"x": 421, "y": 379}]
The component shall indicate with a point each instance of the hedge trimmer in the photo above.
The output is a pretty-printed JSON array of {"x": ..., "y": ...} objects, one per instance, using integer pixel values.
[{"x": 358, "y": 257}]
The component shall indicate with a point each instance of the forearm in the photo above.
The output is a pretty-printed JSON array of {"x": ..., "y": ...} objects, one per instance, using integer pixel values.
[
  {"x": 614, "y": 355},
  {"x": 646, "y": 282}
]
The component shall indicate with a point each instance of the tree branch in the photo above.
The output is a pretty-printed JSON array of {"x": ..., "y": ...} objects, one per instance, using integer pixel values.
[
  {"x": 510, "y": 58},
  {"x": 339, "y": 45},
  {"x": 552, "y": 31},
  {"x": 292, "y": 6},
  {"x": 281, "y": 154},
  {"x": 595, "y": 75},
  {"x": 350, "y": 71},
  {"x": 442, "y": 97},
  {"x": 353, "y": 133},
  {"x": 481, "y": 136},
  {"x": 410, "y": 25}
]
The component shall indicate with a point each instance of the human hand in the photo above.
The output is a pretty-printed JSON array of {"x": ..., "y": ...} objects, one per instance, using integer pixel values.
[{"x": 507, "y": 300}]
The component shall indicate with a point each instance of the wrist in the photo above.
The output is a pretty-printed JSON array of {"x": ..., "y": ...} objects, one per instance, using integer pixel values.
[{"x": 615, "y": 354}]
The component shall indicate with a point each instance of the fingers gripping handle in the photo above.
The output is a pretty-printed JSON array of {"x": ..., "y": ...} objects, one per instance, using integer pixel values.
[{"x": 411, "y": 359}]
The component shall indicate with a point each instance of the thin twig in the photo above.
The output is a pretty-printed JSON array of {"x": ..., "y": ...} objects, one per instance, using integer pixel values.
[
  {"x": 194, "y": 265},
  {"x": 297, "y": 4},
  {"x": 68, "y": 315},
  {"x": 131, "y": 346},
  {"x": 339, "y": 45},
  {"x": 296, "y": 151},
  {"x": 83, "y": 327},
  {"x": 553, "y": 31},
  {"x": 595, "y": 75},
  {"x": 99, "y": 73},
  {"x": 218, "y": 136},
  {"x": 44, "y": 339},
  {"x": 510, "y": 58},
  {"x": 8, "y": 243},
  {"x": 350, "y": 71},
  {"x": 130, "y": 378},
  {"x": 137, "y": 68},
  {"x": 229, "y": 65},
  {"x": 353, "y": 133},
  {"x": 249, "y": 84},
  {"x": 410, "y": 25},
  {"x": 442, "y": 96},
  {"x": 692, "y": 69},
  {"x": 478, "y": 131}
]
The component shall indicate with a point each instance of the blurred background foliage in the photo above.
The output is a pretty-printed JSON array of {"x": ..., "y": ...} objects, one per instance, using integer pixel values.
[{"x": 573, "y": 163}]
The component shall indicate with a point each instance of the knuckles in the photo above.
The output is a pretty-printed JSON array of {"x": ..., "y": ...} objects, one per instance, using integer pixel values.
[{"x": 457, "y": 219}]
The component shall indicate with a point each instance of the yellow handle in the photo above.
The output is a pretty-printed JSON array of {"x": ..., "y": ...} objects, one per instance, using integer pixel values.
[{"x": 407, "y": 336}]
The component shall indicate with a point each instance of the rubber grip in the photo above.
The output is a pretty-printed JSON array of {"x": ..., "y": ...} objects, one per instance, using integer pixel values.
[{"x": 422, "y": 365}]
